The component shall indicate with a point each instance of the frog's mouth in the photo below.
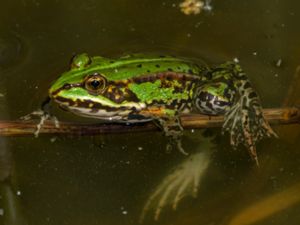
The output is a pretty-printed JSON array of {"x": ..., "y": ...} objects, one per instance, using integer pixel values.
[
  {"x": 88, "y": 108},
  {"x": 106, "y": 113},
  {"x": 94, "y": 108}
]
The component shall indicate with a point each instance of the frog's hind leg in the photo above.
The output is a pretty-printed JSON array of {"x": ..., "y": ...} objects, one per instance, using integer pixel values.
[
  {"x": 173, "y": 130},
  {"x": 245, "y": 120}
]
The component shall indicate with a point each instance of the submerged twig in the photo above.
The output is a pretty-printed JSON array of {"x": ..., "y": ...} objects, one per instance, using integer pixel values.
[
  {"x": 267, "y": 207},
  {"x": 191, "y": 121}
]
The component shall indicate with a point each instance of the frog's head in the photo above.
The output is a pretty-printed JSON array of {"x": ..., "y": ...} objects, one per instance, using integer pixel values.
[
  {"x": 214, "y": 98},
  {"x": 85, "y": 90},
  {"x": 81, "y": 76}
]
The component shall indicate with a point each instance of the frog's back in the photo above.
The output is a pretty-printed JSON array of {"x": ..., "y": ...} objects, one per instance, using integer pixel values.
[
  {"x": 127, "y": 67},
  {"x": 135, "y": 65}
]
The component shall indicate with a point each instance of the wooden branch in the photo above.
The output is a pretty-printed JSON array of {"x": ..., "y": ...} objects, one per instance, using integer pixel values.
[{"x": 191, "y": 121}]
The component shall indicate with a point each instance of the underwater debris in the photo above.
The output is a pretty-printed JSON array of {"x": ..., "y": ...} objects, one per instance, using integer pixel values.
[
  {"x": 195, "y": 7},
  {"x": 189, "y": 7}
]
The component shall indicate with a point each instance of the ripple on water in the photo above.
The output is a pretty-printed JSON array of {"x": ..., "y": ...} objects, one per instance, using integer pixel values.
[{"x": 12, "y": 51}]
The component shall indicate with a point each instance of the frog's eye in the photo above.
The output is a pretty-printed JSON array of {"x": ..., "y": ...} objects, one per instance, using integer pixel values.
[
  {"x": 80, "y": 61},
  {"x": 95, "y": 84}
]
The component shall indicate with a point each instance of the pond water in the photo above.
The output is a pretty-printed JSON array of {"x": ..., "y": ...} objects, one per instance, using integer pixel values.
[{"x": 109, "y": 180}]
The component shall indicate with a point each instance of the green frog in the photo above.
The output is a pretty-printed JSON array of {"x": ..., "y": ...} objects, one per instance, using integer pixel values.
[{"x": 160, "y": 88}]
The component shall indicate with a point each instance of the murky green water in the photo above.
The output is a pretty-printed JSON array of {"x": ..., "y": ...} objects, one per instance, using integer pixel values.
[{"x": 107, "y": 180}]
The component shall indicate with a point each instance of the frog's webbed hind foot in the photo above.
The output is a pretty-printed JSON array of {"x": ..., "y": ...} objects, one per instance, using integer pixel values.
[
  {"x": 246, "y": 123},
  {"x": 173, "y": 130}
]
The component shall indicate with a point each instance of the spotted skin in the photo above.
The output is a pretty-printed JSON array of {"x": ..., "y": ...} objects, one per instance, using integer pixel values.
[
  {"x": 126, "y": 92},
  {"x": 140, "y": 88},
  {"x": 245, "y": 120}
]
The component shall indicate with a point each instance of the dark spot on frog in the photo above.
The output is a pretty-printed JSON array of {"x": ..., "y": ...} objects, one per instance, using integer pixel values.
[
  {"x": 156, "y": 102},
  {"x": 178, "y": 104},
  {"x": 164, "y": 76},
  {"x": 169, "y": 78},
  {"x": 174, "y": 103},
  {"x": 130, "y": 96},
  {"x": 209, "y": 105},
  {"x": 143, "y": 79},
  {"x": 112, "y": 61},
  {"x": 252, "y": 95},
  {"x": 207, "y": 75},
  {"x": 162, "y": 56},
  {"x": 66, "y": 86},
  {"x": 117, "y": 95},
  {"x": 238, "y": 84},
  {"x": 170, "y": 69},
  {"x": 114, "y": 94},
  {"x": 133, "y": 116},
  {"x": 94, "y": 110},
  {"x": 177, "y": 90},
  {"x": 148, "y": 71},
  {"x": 139, "y": 66},
  {"x": 157, "y": 65},
  {"x": 133, "y": 109},
  {"x": 86, "y": 104},
  {"x": 190, "y": 71},
  {"x": 243, "y": 77},
  {"x": 178, "y": 67},
  {"x": 63, "y": 107},
  {"x": 247, "y": 85},
  {"x": 65, "y": 100}
]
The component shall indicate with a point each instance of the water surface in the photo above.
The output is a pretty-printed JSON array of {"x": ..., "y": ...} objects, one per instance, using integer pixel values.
[{"x": 107, "y": 180}]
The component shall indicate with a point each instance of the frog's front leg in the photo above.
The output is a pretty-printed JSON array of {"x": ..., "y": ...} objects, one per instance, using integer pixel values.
[
  {"x": 173, "y": 130},
  {"x": 43, "y": 114},
  {"x": 168, "y": 120}
]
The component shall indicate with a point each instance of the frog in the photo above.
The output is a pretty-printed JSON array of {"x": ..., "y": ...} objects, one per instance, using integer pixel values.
[{"x": 160, "y": 88}]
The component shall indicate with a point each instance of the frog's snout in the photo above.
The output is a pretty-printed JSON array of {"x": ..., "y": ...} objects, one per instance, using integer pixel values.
[{"x": 52, "y": 93}]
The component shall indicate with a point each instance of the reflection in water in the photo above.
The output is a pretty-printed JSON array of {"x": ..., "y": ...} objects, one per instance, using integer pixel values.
[
  {"x": 5, "y": 160},
  {"x": 269, "y": 206},
  {"x": 10, "y": 207},
  {"x": 12, "y": 210},
  {"x": 12, "y": 50},
  {"x": 182, "y": 181}
]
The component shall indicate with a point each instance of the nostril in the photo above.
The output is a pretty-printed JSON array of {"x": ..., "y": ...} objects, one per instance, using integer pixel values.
[{"x": 67, "y": 86}]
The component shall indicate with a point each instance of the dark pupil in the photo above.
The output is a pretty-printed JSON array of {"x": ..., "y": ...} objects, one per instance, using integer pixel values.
[{"x": 95, "y": 83}]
